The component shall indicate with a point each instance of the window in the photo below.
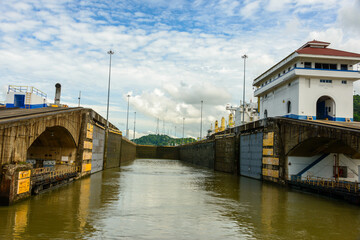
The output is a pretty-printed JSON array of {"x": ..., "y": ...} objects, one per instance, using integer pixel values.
[
  {"x": 279, "y": 75},
  {"x": 325, "y": 66},
  {"x": 344, "y": 67},
  {"x": 307, "y": 65},
  {"x": 295, "y": 65},
  {"x": 265, "y": 114},
  {"x": 288, "y": 107},
  {"x": 284, "y": 71},
  {"x": 289, "y": 69},
  {"x": 325, "y": 81},
  {"x": 344, "y": 82}
]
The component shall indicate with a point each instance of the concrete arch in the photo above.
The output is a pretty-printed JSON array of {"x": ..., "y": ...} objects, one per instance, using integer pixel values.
[
  {"x": 54, "y": 146},
  {"x": 322, "y": 145}
]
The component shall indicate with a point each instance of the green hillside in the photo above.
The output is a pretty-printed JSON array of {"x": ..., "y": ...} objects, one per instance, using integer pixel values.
[
  {"x": 357, "y": 108},
  {"x": 162, "y": 140}
]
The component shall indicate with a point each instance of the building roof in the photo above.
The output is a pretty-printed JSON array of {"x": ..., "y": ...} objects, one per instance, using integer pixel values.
[
  {"x": 313, "y": 48},
  {"x": 326, "y": 51}
]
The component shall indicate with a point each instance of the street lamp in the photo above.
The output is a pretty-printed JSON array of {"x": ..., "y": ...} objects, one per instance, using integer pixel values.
[
  {"x": 108, "y": 97},
  {"x": 127, "y": 118},
  {"x": 244, "y": 57},
  {"x": 201, "y": 119},
  {"x": 110, "y": 52}
]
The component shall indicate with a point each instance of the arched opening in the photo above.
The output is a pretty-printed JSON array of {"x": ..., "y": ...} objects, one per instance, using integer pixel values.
[
  {"x": 55, "y": 148},
  {"x": 288, "y": 107},
  {"x": 265, "y": 113},
  {"x": 325, "y": 108}
]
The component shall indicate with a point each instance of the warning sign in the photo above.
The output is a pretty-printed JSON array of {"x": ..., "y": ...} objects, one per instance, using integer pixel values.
[
  {"x": 24, "y": 174},
  {"x": 23, "y": 186}
]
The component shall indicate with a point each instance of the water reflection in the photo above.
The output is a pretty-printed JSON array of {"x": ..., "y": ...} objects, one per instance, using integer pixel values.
[{"x": 160, "y": 199}]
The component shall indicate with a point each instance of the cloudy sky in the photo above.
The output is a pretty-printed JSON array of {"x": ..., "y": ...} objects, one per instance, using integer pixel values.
[{"x": 169, "y": 54}]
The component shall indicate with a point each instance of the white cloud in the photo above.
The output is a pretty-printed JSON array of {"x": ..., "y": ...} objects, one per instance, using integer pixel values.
[{"x": 169, "y": 55}]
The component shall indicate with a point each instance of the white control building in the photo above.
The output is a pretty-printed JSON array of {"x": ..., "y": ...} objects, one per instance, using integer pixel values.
[{"x": 313, "y": 82}]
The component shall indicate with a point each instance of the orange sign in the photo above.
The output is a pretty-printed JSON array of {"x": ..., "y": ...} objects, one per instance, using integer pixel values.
[
  {"x": 24, "y": 174},
  {"x": 23, "y": 186}
]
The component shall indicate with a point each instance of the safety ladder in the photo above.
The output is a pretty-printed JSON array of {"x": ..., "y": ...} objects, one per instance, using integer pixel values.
[{"x": 27, "y": 100}]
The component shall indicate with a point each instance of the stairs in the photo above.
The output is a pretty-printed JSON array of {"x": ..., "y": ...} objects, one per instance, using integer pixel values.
[{"x": 27, "y": 100}]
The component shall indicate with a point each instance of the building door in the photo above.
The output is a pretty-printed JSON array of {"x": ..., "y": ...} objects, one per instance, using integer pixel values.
[
  {"x": 19, "y": 100},
  {"x": 325, "y": 108}
]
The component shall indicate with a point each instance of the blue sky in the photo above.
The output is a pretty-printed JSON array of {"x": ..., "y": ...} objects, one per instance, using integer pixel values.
[{"x": 169, "y": 55}]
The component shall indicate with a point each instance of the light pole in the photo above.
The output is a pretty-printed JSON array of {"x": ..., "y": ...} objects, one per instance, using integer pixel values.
[
  {"x": 201, "y": 119},
  {"x": 79, "y": 98},
  {"x": 110, "y": 52},
  {"x": 134, "y": 123},
  {"x": 127, "y": 118},
  {"x": 108, "y": 97},
  {"x": 244, "y": 57},
  {"x": 183, "y": 130}
]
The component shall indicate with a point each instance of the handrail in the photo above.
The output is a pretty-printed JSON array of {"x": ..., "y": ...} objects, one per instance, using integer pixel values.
[
  {"x": 27, "y": 89},
  {"x": 328, "y": 183},
  {"x": 54, "y": 173}
]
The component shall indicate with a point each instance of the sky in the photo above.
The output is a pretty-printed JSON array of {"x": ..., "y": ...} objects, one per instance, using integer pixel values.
[{"x": 169, "y": 55}]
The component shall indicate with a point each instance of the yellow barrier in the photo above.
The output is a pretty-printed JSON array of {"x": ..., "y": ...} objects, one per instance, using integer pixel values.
[{"x": 330, "y": 183}]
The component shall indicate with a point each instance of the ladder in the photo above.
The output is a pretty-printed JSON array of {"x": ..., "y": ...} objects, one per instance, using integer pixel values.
[{"x": 27, "y": 100}]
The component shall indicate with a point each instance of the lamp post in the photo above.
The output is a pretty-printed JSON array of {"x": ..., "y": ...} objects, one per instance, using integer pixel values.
[
  {"x": 108, "y": 97},
  {"x": 201, "y": 119},
  {"x": 243, "y": 119},
  {"x": 134, "y": 123},
  {"x": 110, "y": 52},
  {"x": 127, "y": 118}
]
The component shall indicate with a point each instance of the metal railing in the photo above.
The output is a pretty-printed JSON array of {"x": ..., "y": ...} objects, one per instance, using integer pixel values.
[
  {"x": 26, "y": 89},
  {"x": 328, "y": 183},
  {"x": 49, "y": 172}
]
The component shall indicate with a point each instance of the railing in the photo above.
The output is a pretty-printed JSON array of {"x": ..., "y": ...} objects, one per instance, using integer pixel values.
[
  {"x": 49, "y": 172},
  {"x": 328, "y": 183},
  {"x": 25, "y": 89}
]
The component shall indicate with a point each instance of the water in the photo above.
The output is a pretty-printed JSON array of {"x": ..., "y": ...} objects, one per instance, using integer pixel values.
[{"x": 167, "y": 199}]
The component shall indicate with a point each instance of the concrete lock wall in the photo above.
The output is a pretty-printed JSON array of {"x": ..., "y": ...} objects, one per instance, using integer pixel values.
[
  {"x": 251, "y": 155},
  {"x": 128, "y": 150},
  {"x": 201, "y": 154},
  {"x": 157, "y": 152},
  {"x": 143, "y": 151},
  {"x": 113, "y": 150},
  {"x": 225, "y": 155},
  {"x": 97, "y": 160}
]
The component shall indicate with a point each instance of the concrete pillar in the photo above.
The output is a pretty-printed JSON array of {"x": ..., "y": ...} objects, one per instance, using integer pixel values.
[{"x": 15, "y": 183}]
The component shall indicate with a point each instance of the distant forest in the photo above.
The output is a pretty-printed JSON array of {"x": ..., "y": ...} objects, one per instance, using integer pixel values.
[
  {"x": 162, "y": 140},
  {"x": 357, "y": 108}
]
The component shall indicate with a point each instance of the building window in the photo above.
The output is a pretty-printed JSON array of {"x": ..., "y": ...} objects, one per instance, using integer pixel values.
[
  {"x": 279, "y": 75},
  {"x": 344, "y": 67},
  {"x": 307, "y": 65},
  {"x": 295, "y": 65},
  {"x": 284, "y": 71},
  {"x": 344, "y": 82},
  {"x": 265, "y": 114},
  {"x": 289, "y": 69},
  {"x": 325, "y": 81},
  {"x": 325, "y": 66},
  {"x": 288, "y": 107}
]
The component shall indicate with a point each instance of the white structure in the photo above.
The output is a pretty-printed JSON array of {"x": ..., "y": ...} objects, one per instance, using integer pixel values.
[
  {"x": 251, "y": 113},
  {"x": 25, "y": 97},
  {"x": 314, "y": 82}
]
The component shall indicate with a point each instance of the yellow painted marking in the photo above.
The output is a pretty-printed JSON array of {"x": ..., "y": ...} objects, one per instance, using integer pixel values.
[
  {"x": 88, "y": 145},
  {"x": 86, "y": 167},
  {"x": 87, "y": 155},
  {"x": 270, "y": 160},
  {"x": 268, "y": 151},
  {"x": 90, "y": 127},
  {"x": 268, "y": 139},
  {"x": 89, "y": 135}
]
